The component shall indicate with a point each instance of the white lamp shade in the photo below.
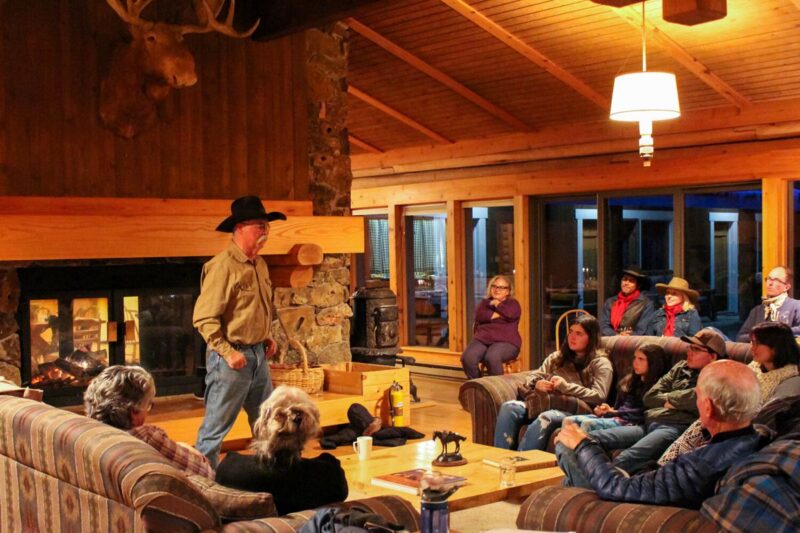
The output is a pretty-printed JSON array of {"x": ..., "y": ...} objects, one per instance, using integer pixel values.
[{"x": 645, "y": 96}]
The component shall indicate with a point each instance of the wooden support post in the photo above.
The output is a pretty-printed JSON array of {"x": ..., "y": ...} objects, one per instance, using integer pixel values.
[
  {"x": 291, "y": 276},
  {"x": 456, "y": 299},
  {"x": 775, "y": 204},
  {"x": 397, "y": 267},
  {"x": 522, "y": 275},
  {"x": 301, "y": 254}
]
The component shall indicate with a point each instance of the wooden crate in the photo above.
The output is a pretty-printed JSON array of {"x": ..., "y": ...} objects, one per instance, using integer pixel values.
[{"x": 371, "y": 383}]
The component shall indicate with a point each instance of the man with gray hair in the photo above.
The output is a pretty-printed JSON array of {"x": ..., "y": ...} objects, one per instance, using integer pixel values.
[
  {"x": 122, "y": 396},
  {"x": 727, "y": 400}
]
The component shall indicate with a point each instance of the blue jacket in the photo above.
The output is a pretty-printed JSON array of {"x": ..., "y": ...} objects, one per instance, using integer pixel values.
[
  {"x": 685, "y": 482},
  {"x": 687, "y": 323},
  {"x": 639, "y": 325},
  {"x": 788, "y": 313}
]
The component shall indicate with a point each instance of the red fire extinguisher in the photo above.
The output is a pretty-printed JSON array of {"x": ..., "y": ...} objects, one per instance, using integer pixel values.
[{"x": 397, "y": 403}]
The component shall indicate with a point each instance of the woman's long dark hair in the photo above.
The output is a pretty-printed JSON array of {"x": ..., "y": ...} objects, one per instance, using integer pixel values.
[
  {"x": 592, "y": 329},
  {"x": 780, "y": 338},
  {"x": 657, "y": 366}
]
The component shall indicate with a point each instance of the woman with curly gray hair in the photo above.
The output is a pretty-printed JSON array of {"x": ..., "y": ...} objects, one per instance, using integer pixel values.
[{"x": 121, "y": 396}]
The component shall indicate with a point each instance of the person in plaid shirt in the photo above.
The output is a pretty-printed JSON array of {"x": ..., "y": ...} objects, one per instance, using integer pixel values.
[{"x": 121, "y": 396}]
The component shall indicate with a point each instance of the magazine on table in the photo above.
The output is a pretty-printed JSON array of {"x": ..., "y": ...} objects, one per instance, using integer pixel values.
[
  {"x": 408, "y": 481},
  {"x": 527, "y": 460}
]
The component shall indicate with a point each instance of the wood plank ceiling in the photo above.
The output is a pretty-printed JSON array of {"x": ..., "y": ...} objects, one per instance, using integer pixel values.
[{"x": 435, "y": 71}]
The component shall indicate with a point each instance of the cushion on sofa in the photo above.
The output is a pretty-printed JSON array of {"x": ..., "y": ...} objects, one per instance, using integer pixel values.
[
  {"x": 393, "y": 508},
  {"x": 232, "y": 504}
]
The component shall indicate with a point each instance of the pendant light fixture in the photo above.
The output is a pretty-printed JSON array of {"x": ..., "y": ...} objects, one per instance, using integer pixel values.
[{"x": 645, "y": 97}]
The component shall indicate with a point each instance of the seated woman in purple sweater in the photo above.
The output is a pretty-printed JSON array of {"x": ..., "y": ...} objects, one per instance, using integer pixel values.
[{"x": 496, "y": 339}]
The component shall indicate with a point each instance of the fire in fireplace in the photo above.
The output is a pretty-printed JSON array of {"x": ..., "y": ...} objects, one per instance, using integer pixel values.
[{"x": 76, "y": 321}]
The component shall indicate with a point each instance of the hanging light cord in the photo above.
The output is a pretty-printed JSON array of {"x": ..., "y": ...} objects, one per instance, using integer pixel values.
[{"x": 644, "y": 41}]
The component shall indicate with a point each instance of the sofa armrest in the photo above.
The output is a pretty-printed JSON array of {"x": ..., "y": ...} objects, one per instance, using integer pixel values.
[
  {"x": 233, "y": 504},
  {"x": 572, "y": 509},
  {"x": 483, "y": 397},
  {"x": 393, "y": 508}
]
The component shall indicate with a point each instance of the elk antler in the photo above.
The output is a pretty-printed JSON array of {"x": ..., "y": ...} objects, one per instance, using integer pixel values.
[
  {"x": 130, "y": 12},
  {"x": 212, "y": 24}
]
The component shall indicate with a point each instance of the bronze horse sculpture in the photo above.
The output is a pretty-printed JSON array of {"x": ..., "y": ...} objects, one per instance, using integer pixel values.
[{"x": 448, "y": 458}]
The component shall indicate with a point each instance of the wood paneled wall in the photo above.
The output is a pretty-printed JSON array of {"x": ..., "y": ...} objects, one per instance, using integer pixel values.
[{"x": 239, "y": 130}]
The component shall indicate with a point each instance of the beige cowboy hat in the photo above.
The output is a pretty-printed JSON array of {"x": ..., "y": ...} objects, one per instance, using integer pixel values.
[{"x": 678, "y": 284}]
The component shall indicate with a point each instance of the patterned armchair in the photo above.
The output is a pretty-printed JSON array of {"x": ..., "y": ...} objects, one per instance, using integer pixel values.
[
  {"x": 483, "y": 397},
  {"x": 64, "y": 472}
]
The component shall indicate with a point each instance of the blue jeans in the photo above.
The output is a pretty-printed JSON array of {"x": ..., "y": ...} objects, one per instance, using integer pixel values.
[
  {"x": 513, "y": 415},
  {"x": 640, "y": 447},
  {"x": 227, "y": 391},
  {"x": 591, "y": 422}
]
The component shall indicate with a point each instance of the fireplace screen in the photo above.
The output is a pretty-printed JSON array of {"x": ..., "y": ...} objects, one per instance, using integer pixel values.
[
  {"x": 58, "y": 359},
  {"x": 72, "y": 338}
]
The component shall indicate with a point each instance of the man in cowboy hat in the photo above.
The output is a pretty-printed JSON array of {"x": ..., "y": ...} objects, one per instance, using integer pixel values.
[
  {"x": 233, "y": 314},
  {"x": 776, "y": 306},
  {"x": 678, "y": 317},
  {"x": 630, "y": 311}
]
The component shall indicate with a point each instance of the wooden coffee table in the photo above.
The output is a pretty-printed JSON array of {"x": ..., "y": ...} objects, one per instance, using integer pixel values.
[{"x": 483, "y": 481}]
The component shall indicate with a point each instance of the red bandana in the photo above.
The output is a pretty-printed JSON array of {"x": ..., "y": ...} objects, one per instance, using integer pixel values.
[
  {"x": 619, "y": 307},
  {"x": 671, "y": 311}
]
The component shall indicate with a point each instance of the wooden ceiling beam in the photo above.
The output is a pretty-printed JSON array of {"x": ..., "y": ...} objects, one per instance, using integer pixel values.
[
  {"x": 428, "y": 69},
  {"x": 394, "y": 113},
  {"x": 705, "y": 165},
  {"x": 364, "y": 145},
  {"x": 765, "y": 120},
  {"x": 633, "y": 16},
  {"x": 528, "y": 52}
]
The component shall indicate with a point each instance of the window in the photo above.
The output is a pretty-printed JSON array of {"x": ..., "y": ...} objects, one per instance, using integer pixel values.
[
  {"x": 376, "y": 254},
  {"x": 426, "y": 267},
  {"x": 639, "y": 232},
  {"x": 722, "y": 255},
  {"x": 489, "y": 242},
  {"x": 569, "y": 261}
]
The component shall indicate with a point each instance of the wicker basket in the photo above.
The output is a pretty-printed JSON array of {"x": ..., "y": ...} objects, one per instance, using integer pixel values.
[{"x": 299, "y": 375}]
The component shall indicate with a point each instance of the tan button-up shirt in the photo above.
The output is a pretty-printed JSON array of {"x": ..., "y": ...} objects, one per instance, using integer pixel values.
[{"x": 234, "y": 305}]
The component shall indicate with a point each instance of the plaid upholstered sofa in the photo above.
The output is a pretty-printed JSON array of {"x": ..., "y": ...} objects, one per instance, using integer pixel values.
[
  {"x": 64, "y": 472},
  {"x": 483, "y": 397}
]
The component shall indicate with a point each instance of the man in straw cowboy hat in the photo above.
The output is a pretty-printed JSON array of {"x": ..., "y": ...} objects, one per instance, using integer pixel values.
[
  {"x": 776, "y": 306},
  {"x": 233, "y": 314},
  {"x": 678, "y": 317}
]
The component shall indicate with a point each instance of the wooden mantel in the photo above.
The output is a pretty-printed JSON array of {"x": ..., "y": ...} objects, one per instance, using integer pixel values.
[{"x": 58, "y": 228}]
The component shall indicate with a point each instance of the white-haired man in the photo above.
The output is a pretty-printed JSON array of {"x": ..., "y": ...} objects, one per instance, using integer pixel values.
[
  {"x": 234, "y": 315},
  {"x": 727, "y": 400},
  {"x": 776, "y": 306}
]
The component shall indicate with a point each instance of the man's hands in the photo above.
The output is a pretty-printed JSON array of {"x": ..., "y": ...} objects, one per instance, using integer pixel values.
[
  {"x": 270, "y": 347},
  {"x": 235, "y": 360},
  {"x": 570, "y": 435}
]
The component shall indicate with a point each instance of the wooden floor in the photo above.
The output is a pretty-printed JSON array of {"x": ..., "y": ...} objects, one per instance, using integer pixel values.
[{"x": 439, "y": 409}]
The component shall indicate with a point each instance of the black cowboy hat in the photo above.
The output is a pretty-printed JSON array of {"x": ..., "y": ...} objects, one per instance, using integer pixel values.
[
  {"x": 247, "y": 208},
  {"x": 642, "y": 281}
]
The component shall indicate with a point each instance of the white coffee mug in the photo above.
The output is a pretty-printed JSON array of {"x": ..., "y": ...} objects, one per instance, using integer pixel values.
[{"x": 363, "y": 447}]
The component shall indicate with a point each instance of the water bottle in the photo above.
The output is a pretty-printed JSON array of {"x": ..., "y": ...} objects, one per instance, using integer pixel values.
[{"x": 434, "y": 517}]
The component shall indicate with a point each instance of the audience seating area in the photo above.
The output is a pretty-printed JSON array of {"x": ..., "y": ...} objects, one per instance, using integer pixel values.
[
  {"x": 65, "y": 472},
  {"x": 483, "y": 397}
]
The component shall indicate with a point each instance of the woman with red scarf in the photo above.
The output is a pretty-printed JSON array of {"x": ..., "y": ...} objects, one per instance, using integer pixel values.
[
  {"x": 630, "y": 311},
  {"x": 678, "y": 317}
]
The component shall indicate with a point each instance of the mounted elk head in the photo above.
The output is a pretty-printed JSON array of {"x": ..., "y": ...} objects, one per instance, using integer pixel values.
[{"x": 156, "y": 60}]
